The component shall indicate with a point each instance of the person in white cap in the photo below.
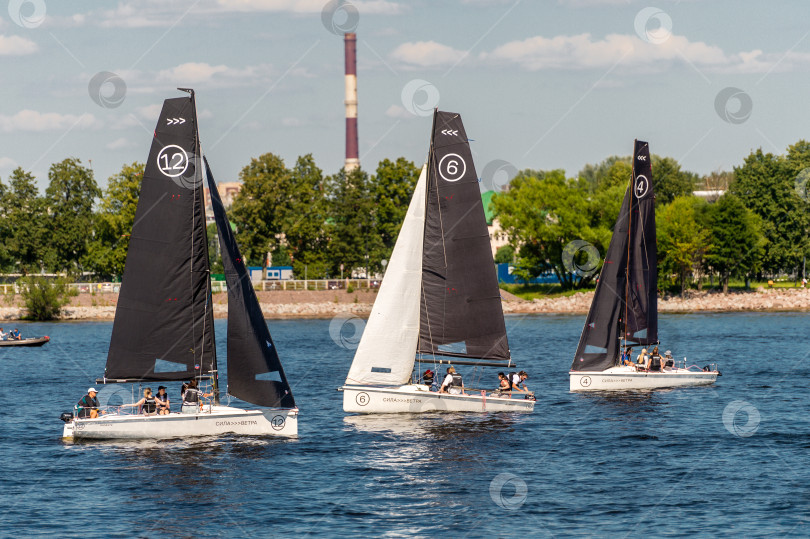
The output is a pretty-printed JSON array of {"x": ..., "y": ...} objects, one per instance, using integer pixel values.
[{"x": 88, "y": 405}]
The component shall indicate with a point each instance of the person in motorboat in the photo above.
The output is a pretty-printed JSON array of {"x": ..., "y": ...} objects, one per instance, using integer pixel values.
[
  {"x": 669, "y": 361},
  {"x": 452, "y": 384},
  {"x": 147, "y": 405},
  {"x": 3, "y": 335},
  {"x": 192, "y": 397},
  {"x": 162, "y": 400},
  {"x": 15, "y": 335},
  {"x": 654, "y": 361},
  {"x": 88, "y": 405},
  {"x": 427, "y": 378}
]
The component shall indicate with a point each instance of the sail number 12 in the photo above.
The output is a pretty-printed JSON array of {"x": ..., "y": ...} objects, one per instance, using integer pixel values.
[{"x": 172, "y": 160}]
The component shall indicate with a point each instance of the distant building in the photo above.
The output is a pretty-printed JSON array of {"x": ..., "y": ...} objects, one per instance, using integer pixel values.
[
  {"x": 710, "y": 195},
  {"x": 497, "y": 237},
  {"x": 227, "y": 192}
]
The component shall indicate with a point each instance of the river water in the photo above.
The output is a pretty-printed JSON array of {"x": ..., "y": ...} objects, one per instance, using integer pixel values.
[{"x": 728, "y": 460}]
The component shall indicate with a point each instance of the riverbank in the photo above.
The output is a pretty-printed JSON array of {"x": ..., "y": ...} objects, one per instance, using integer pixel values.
[{"x": 327, "y": 304}]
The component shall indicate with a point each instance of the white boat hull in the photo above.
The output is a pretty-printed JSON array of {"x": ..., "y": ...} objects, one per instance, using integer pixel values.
[
  {"x": 416, "y": 399},
  {"x": 212, "y": 421},
  {"x": 624, "y": 378}
]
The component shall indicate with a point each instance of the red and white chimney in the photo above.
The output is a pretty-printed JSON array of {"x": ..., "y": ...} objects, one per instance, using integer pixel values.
[{"x": 352, "y": 157}]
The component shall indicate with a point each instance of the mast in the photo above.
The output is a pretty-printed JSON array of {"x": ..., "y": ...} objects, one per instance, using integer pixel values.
[{"x": 199, "y": 202}]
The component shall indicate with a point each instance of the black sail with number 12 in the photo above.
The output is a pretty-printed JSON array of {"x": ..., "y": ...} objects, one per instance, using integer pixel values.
[
  {"x": 625, "y": 304},
  {"x": 163, "y": 327}
]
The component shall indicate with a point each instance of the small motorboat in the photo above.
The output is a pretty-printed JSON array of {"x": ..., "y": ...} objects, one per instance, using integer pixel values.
[{"x": 31, "y": 341}]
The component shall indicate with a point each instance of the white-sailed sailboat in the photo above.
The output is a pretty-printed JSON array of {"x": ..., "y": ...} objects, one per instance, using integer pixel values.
[
  {"x": 439, "y": 302},
  {"x": 624, "y": 311},
  {"x": 164, "y": 326}
]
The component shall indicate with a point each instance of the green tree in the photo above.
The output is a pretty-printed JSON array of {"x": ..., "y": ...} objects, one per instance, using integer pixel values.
[
  {"x": 505, "y": 254},
  {"x": 669, "y": 181},
  {"x": 107, "y": 251},
  {"x": 44, "y": 298},
  {"x": 682, "y": 242},
  {"x": 766, "y": 184},
  {"x": 737, "y": 243},
  {"x": 25, "y": 229},
  {"x": 353, "y": 228},
  {"x": 302, "y": 221},
  {"x": 543, "y": 212},
  {"x": 392, "y": 187},
  {"x": 259, "y": 207},
  {"x": 70, "y": 195}
]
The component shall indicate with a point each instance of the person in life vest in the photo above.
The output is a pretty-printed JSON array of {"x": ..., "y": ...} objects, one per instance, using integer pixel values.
[
  {"x": 452, "y": 383},
  {"x": 654, "y": 361},
  {"x": 162, "y": 400},
  {"x": 518, "y": 381},
  {"x": 504, "y": 387},
  {"x": 88, "y": 405},
  {"x": 641, "y": 360},
  {"x": 147, "y": 405},
  {"x": 427, "y": 378},
  {"x": 669, "y": 361},
  {"x": 192, "y": 398}
]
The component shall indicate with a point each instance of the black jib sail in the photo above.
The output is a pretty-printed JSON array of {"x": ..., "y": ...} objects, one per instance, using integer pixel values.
[
  {"x": 461, "y": 313},
  {"x": 254, "y": 369},
  {"x": 625, "y": 305},
  {"x": 163, "y": 327}
]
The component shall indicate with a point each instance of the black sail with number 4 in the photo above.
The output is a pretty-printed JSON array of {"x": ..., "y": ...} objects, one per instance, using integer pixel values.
[
  {"x": 163, "y": 327},
  {"x": 625, "y": 304},
  {"x": 254, "y": 370},
  {"x": 461, "y": 312}
]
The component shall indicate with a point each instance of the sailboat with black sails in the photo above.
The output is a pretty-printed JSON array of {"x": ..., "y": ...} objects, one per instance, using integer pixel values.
[
  {"x": 624, "y": 311},
  {"x": 439, "y": 302},
  {"x": 163, "y": 329}
]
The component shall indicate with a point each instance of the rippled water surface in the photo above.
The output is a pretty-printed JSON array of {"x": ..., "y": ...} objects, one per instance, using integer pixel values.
[{"x": 641, "y": 464}]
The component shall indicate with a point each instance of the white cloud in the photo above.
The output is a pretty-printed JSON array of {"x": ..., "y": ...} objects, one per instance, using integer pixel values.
[
  {"x": 219, "y": 75},
  {"x": 7, "y": 163},
  {"x": 584, "y": 52},
  {"x": 371, "y": 7},
  {"x": 425, "y": 54},
  {"x": 16, "y": 46},
  {"x": 31, "y": 120},
  {"x": 118, "y": 144},
  {"x": 395, "y": 111}
]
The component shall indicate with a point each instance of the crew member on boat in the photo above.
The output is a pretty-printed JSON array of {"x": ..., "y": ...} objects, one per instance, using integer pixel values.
[
  {"x": 518, "y": 381},
  {"x": 3, "y": 335},
  {"x": 15, "y": 335},
  {"x": 191, "y": 398},
  {"x": 162, "y": 400},
  {"x": 87, "y": 405},
  {"x": 503, "y": 386},
  {"x": 641, "y": 361},
  {"x": 427, "y": 378},
  {"x": 453, "y": 383},
  {"x": 147, "y": 404},
  {"x": 654, "y": 361},
  {"x": 668, "y": 360}
]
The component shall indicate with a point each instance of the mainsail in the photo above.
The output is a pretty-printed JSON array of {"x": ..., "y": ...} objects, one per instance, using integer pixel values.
[
  {"x": 163, "y": 327},
  {"x": 461, "y": 312},
  {"x": 625, "y": 304},
  {"x": 254, "y": 369},
  {"x": 387, "y": 350}
]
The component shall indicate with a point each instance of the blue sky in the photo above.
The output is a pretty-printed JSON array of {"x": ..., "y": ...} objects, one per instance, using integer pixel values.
[{"x": 540, "y": 84}]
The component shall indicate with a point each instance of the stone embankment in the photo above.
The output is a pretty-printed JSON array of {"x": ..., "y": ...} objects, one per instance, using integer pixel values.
[{"x": 326, "y": 304}]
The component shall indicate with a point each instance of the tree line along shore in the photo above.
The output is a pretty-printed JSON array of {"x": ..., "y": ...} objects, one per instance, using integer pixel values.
[
  {"x": 328, "y": 304},
  {"x": 755, "y": 226}
]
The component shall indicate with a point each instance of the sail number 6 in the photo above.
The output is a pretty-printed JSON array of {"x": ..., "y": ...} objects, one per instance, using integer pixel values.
[
  {"x": 452, "y": 167},
  {"x": 172, "y": 160}
]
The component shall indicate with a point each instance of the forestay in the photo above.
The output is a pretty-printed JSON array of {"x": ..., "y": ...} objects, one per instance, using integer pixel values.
[
  {"x": 387, "y": 350},
  {"x": 254, "y": 368}
]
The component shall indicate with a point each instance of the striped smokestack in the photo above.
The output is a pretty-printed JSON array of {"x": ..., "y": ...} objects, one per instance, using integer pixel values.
[{"x": 352, "y": 158}]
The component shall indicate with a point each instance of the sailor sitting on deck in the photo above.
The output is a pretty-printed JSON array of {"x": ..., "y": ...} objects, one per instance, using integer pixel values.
[
  {"x": 88, "y": 405},
  {"x": 654, "y": 361},
  {"x": 453, "y": 383},
  {"x": 668, "y": 360},
  {"x": 147, "y": 404},
  {"x": 627, "y": 357},
  {"x": 641, "y": 360}
]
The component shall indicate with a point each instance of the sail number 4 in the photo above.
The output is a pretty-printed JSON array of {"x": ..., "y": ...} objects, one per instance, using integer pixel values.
[
  {"x": 642, "y": 185},
  {"x": 452, "y": 167},
  {"x": 172, "y": 160}
]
